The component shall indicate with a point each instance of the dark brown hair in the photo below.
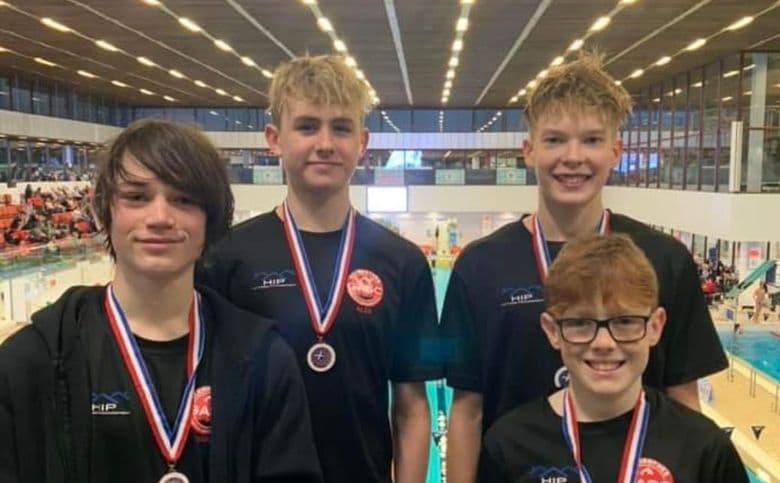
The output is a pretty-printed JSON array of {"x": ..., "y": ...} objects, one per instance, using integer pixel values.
[
  {"x": 611, "y": 267},
  {"x": 182, "y": 157}
]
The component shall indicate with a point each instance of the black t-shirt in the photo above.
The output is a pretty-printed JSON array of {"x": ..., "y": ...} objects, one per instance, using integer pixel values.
[
  {"x": 490, "y": 319},
  {"x": 123, "y": 448},
  {"x": 386, "y": 334},
  {"x": 527, "y": 446}
]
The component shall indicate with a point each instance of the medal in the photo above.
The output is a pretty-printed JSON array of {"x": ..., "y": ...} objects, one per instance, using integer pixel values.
[
  {"x": 542, "y": 254},
  {"x": 321, "y": 356},
  {"x": 632, "y": 449},
  {"x": 174, "y": 477},
  {"x": 170, "y": 440}
]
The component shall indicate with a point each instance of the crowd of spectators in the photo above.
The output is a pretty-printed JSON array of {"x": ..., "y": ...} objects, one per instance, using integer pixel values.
[
  {"x": 716, "y": 278},
  {"x": 37, "y": 173},
  {"x": 45, "y": 216}
]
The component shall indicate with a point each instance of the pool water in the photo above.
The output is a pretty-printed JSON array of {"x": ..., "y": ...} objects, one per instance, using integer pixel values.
[{"x": 760, "y": 349}]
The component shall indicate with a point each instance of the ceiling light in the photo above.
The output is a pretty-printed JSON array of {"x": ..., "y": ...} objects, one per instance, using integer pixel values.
[
  {"x": 45, "y": 62},
  {"x": 106, "y": 46},
  {"x": 730, "y": 73},
  {"x": 749, "y": 66},
  {"x": 238, "y": 99},
  {"x": 350, "y": 61},
  {"x": 576, "y": 45},
  {"x": 189, "y": 24},
  {"x": 3, "y": 49},
  {"x": 146, "y": 92},
  {"x": 175, "y": 73},
  {"x": 445, "y": 93},
  {"x": 444, "y": 100},
  {"x": 531, "y": 84},
  {"x": 222, "y": 45},
  {"x": 88, "y": 75},
  {"x": 462, "y": 25},
  {"x": 697, "y": 84},
  {"x": 663, "y": 60},
  {"x": 339, "y": 45},
  {"x": 267, "y": 73},
  {"x": 678, "y": 91},
  {"x": 248, "y": 61},
  {"x": 542, "y": 74},
  {"x": 119, "y": 83},
  {"x": 453, "y": 62},
  {"x": 513, "y": 100},
  {"x": 169, "y": 98},
  {"x": 627, "y": 2},
  {"x": 618, "y": 83},
  {"x": 324, "y": 24},
  {"x": 51, "y": 23},
  {"x": 145, "y": 61},
  {"x": 600, "y": 24},
  {"x": 637, "y": 73},
  {"x": 557, "y": 61},
  {"x": 200, "y": 83},
  {"x": 467, "y": 2},
  {"x": 214, "y": 113},
  {"x": 457, "y": 46},
  {"x": 740, "y": 23},
  {"x": 747, "y": 93},
  {"x": 696, "y": 44},
  {"x": 657, "y": 99},
  {"x": 310, "y": 2},
  {"x": 221, "y": 92},
  {"x": 152, "y": 2},
  {"x": 727, "y": 99},
  {"x": 522, "y": 92},
  {"x": 450, "y": 74},
  {"x": 448, "y": 83}
]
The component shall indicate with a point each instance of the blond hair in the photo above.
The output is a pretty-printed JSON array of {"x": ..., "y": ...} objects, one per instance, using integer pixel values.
[
  {"x": 610, "y": 267},
  {"x": 324, "y": 80},
  {"x": 576, "y": 87}
]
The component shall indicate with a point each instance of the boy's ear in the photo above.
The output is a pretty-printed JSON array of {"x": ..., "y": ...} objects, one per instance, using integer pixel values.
[
  {"x": 364, "y": 137},
  {"x": 528, "y": 151},
  {"x": 272, "y": 138},
  {"x": 617, "y": 150},
  {"x": 550, "y": 329},
  {"x": 655, "y": 326}
]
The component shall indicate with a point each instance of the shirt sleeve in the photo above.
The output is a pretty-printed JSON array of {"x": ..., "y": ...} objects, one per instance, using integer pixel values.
[
  {"x": 416, "y": 337},
  {"x": 490, "y": 468},
  {"x": 694, "y": 349},
  {"x": 721, "y": 462},
  {"x": 462, "y": 358},
  {"x": 283, "y": 449}
]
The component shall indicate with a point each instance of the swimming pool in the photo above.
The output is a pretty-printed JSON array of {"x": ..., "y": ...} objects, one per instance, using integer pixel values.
[{"x": 761, "y": 349}]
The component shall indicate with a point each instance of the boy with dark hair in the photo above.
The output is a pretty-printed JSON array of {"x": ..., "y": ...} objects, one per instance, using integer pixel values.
[
  {"x": 148, "y": 379},
  {"x": 603, "y": 316},
  {"x": 354, "y": 300},
  {"x": 501, "y": 358}
]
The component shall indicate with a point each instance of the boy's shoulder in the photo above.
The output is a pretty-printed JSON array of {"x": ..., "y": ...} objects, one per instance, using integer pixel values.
[
  {"x": 509, "y": 236},
  {"x": 526, "y": 422}
]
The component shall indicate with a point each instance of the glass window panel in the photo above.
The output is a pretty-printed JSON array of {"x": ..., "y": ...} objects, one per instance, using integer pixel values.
[
  {"x": 22, "y": 95},
  {"x": 730, "y": 94},
  {"x": 41, "y": 98},
  {"x": 84, "y": 107},
  {"x": 426, "y": 120},
  {"x": 513, "y": 120},
  {"x": 397, "y": 120},
  {"x": 373, "y": 121},
  {"x": 712, "y": 101},
  {"x": 694, "y": 129},
  {"x": 5, "y": 93},
  {"x": 458, "y": 120},
  {"x": 488, "y": 120},
  {"x": 210, "y": 118}
]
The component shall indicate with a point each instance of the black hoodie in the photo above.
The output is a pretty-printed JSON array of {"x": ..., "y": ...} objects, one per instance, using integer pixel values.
[{"x": 260, "y": 430}]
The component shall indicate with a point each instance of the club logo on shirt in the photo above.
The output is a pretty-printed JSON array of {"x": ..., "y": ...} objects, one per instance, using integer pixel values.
[
  {"x": 651, "y": 471},
  {"x": 552, "y": 474},
  {"x": 200, "y": 420},
  {"x": 511, "y": 296},
  {"x": 561, "y": 378},
  {"x": 365, "y": 287},
  {"x": 266, "y": 280},
  {"x": 115, "y": 403}
]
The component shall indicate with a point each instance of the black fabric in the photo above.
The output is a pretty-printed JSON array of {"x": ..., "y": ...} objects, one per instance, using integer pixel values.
[
  {"x": 493, "y": 304},
  {"x": 321, "y": 249},
  {"x": 119, "y": 425},
  {"x": 527, "y": 446},
  {"x": 259, "y": 428},
  {"x": 393, "y": 340}
]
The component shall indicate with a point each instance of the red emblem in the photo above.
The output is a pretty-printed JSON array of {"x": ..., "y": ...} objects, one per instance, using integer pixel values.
[
  {"x": 365, "y": 287},
  {"x": 201, "y": 411},
  {"x": 651, "y": 471}
]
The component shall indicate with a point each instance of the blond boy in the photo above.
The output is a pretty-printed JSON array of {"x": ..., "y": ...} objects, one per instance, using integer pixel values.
[
  {"x": 494, "y": 300},
  {"x": 354, "y": 300},
  {"x": 603, "y": 316}
]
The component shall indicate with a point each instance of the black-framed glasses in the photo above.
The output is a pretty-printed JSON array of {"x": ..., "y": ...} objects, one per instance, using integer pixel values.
[{"x": 623, "y": 328}]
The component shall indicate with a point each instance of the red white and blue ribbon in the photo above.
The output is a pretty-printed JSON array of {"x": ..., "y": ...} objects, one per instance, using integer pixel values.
[
  {"x": 632, "y": 449},
  {"x": 170, "y": 439},
  {"x": 542, "y": 254},
  {"x": 322, "y": 315}
]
